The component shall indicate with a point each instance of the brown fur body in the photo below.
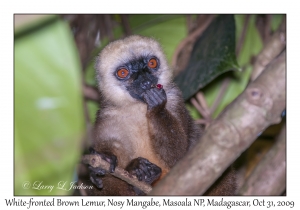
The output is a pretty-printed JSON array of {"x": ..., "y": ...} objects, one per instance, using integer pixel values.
[{"x": 131, "y": 131}]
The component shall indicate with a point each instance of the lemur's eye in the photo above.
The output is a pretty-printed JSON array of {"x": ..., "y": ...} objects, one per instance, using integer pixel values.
[
  {"x": 152, "y": 63},
  {"x": 122, "y": 73}
]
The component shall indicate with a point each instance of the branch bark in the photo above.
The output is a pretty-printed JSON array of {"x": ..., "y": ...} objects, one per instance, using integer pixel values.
[
  {"x": 96, "y": 161},
  {"x": 272, "y": 49},
  {"x": 259, "y": 106},
  {"x": 90, "y": 93},
  {"x": 269, "y": 176}
]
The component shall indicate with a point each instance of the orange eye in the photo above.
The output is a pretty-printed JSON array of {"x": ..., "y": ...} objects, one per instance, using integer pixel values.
[
  {"x": 122, "y": 73},
  {"x": 152, "y": 63}
]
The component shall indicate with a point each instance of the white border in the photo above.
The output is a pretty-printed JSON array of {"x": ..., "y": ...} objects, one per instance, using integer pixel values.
[{"x": 220, "y": 6}]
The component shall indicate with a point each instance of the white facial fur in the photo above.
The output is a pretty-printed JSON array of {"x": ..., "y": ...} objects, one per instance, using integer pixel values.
[{"x": 118, "y": 53}]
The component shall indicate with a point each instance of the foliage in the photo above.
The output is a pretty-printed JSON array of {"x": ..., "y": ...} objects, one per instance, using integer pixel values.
[
  {"x": 212, "y": 55},
  {"x": 48, "y": 116},
  {"x": 238, "y": 80}
]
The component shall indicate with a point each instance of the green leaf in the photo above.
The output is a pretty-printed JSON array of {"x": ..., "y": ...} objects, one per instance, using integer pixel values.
[
  {"x": 212, "y": 55},
  {"x": 48, "y": 118},
  {"x": 238, "y": 80}
]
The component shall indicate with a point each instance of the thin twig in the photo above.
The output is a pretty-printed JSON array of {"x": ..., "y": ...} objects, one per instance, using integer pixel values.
[
  {"x": 243, "y": 35},
  {"x": 192, "y": 37},
  {"x": 202, "y": 101},
  {"x": 90, "y": 93},
  {"x": 109, "y": 26},
  {"x": 205, "y": 122},
  {"x": 190, "y": 23},
  {"x": 273, "y": 48},
  {"x": 126, "y": 25},
  {"x": 199, "y": 108},
  {"x": 263, "y": 25},
  {"x": 220, "y": 95},
  {"x": 267, "y": 28}
]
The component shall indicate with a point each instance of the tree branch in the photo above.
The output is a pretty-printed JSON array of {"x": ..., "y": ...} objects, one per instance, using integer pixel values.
[
  {"x": 200, "y": 109},
  {"x": 96, "y": 161},
  {"x": 259, "y": 106},
  {"x": 269, "y": 178},
  {"x": 125, "y": 25},
  {"x": 216, "y": 103},
  {"x": 272, "y": 49},
  {"x": 90, "y": 93}
]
